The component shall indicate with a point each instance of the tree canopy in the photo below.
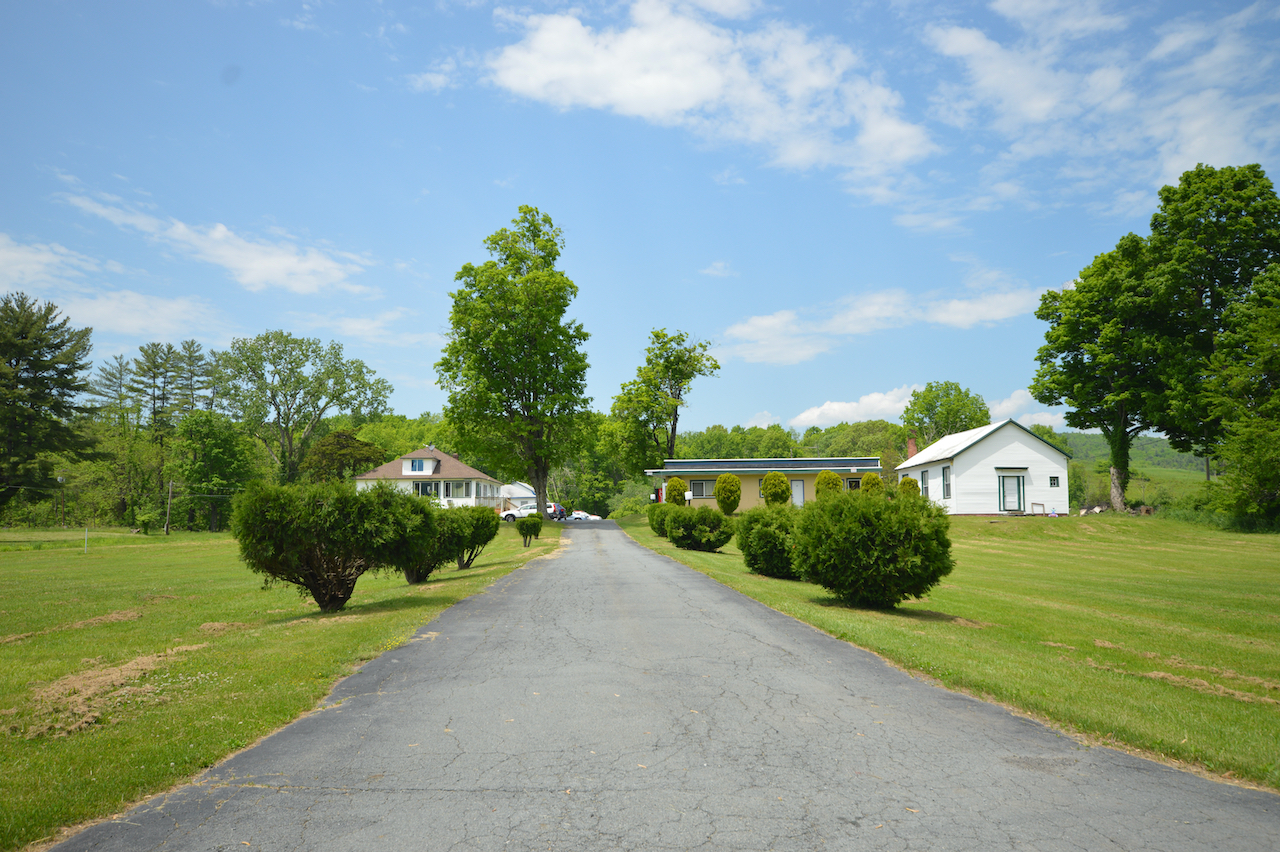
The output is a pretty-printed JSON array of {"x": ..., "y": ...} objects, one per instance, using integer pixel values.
[
  {"x": 43, "y": 368},
  {"x": 280, "y": 387},
  {"x": 647, "y": 409},
  {"x": 513, "y": 365},
  {"x": 943, "y": 408}
]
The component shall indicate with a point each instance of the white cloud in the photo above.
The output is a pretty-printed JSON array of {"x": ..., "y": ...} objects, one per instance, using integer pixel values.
[
  {"x": 36, "y": 265},
  {"x": 1009, "y": 406},
  {"x": 141, "y": 315},
  {"x": 719, "y": 269},
  {"x": 1044, "y": 418},
  {"x": 728, "y": 177},
  {"x": 763, "y": 419},
  {"x": 255, "y": 263},
  {"x": 774, "y": 86},
  {"x": 872, "y": 406},
  {"x": 790, "y": 336},
  {"x": 384, "y": 329},
  {"x": 443, "y": 75},
  {"x": 775, "y": 339}
]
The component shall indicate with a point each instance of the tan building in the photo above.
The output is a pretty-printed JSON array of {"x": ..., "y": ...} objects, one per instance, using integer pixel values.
[
  {"x": 429, "y": 472},
  {"x": 700, "y": 475}
]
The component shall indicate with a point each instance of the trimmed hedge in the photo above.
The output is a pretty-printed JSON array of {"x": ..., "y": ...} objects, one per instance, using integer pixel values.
[
  {"x": 764, "y": 537},
  {"x": 872, "y": 484},
  {"x": 775, "y": 489},
  {"x": 529, "y": 527},
  {"x": 728, "y": 492},
  {"x": 827, "y": 483},
  {"x": 675, "y": 491},
  {"x": 658, "y": 517},
  {"x": 872, "y": 552},
  {"x": 703, "y": 528},
  {"x": 481, "y": 527},
  {"x": 908, "y": 487}
]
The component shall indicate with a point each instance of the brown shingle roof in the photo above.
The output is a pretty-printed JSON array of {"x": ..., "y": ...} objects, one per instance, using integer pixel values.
[{"x": 448, "y": 468}]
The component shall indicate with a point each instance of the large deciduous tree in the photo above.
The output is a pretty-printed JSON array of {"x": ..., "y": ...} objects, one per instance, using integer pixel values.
[
  {"x": 280, "y": 387},
  {"x": 943, "y": 408},
  {"x": 648, "y": 407},
  {"x": 43, "y": 368},
  {"x": 1102, "y": 352},
  {"x": 1213, "y": 235},
  {"x": 1244, "y": 392},
  {"x": 213, "y": 459},
  {"x": 513, "y": 365}
]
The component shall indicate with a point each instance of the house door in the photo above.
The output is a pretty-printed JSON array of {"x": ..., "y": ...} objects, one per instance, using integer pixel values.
[
  {"x": 797, "y": 492},
  {"x": 1011, "y": 493}
]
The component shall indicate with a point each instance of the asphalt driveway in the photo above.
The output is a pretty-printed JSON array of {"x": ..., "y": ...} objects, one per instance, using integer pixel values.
[{"x": 609, "y": 698}]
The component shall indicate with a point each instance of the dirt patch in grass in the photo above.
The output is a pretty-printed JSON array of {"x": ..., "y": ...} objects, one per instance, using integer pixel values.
[
  {"x": 109, "y": 618},
  {"x": 216, "y": 627},
  {"x": 76, "y": 701}
]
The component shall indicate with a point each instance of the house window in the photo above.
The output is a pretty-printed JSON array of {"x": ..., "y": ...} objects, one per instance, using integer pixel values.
[
  {"x": 924, "y": 483},
  {"x": 426, "y": 489},
  {"x": 416, "y": 465},
  {"x": 457, "y": 490},
  {"x": 703, "y": 487},
  {"x": 760, "y": 482},
  {"x": 853, "y": 484},
  {"x": 946, "y": 483},
  {"x": 1053, "y": 482}
]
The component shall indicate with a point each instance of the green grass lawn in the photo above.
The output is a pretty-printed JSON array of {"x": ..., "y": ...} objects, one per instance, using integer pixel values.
[
  {"x": 1136, "y": 631},
  {"x": 131, "y": 668}
]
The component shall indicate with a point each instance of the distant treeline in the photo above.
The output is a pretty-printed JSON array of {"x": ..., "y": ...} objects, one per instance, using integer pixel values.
[{"x": 1147, "y": 451}]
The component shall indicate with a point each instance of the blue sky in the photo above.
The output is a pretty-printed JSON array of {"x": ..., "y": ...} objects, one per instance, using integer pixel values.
[{"x": 847, "y": 199}]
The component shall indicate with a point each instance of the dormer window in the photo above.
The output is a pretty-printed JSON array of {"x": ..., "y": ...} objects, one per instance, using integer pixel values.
[{"x": 417, "y": 465}]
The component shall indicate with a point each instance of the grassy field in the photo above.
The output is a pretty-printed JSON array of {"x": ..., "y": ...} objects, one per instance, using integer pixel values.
[
  {"x": 131, "y": 668},
  {"x": 1139, "y": 632}
]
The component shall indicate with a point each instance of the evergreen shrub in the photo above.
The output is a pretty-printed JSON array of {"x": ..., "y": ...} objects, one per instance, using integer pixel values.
[
  {"x": 728, "y": 492},
  {"x": 658, "y": 517},
  {"x": 872, "y": 484},
  {"x": 872, "y": 552},
  {"x": 764, "y": 537},
  {"x": 827, "y": 483},
  {"x": 703, "y": 528},
  {"x": 775, "y": 489},
  {"x": 480, "y": 526},
  {"x": 675, "y": 491},
  {"x": 529, "y": 527},
  {"x": 908, "y": 487}
]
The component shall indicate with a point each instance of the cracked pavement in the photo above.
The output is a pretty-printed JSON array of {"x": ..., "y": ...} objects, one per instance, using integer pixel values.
[{"x": 609, "y": 698}]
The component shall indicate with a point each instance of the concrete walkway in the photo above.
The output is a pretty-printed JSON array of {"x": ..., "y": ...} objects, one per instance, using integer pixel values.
[{"x": 612, "y": 699}]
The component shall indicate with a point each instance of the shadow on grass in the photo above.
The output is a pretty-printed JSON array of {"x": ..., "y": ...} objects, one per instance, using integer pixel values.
[{"x": 923, "y": 615}]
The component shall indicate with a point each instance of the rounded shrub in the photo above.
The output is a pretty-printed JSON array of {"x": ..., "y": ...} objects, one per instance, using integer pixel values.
[
  {"x": 775, "y": 489},
  {"x": 658, "y": 517},
  {"x": 764, "y": 537},
  {"x": 828, "y": 483},
  {"x": 908, "y": 487},
  {"x": 728, "y": 492},
  {"x": 703, "y": 528},
  {"x": 872, "y": 552},
  {"x": 481, "y": 527},
  {"x": 529, "y": 527},
  {"x": 675, "y": 491},
  {"x": 872, "y": 484}
]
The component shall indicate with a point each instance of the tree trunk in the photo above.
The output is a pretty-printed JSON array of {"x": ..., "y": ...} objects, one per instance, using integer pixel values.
[
  {"x": 1206, "y": 469},
  {"x": 1117, "y": 491}
]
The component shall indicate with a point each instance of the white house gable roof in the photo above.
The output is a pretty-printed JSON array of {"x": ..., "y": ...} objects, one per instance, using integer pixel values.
[{"x": 953, "y": 445}]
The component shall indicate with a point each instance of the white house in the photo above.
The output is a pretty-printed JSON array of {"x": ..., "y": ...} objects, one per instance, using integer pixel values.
[
  {"x": 429, "y": 472},
  {"x": 999, "y": 468}
]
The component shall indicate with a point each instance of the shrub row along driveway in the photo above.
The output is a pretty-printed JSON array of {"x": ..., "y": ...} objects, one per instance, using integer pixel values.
[{"x": 612, "y": 699}]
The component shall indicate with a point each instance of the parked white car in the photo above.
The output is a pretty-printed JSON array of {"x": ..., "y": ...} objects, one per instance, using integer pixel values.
[
  {"x": 524, "y": 510},
  {"x": 579, "y": 515}
]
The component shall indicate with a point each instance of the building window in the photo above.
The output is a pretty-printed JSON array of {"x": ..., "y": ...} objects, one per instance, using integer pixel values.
[
  {"x": 924, "y": 483},
  {"x": 416, "y": 465},
  {"x": 703, "y": 487},
  {"x": 426, "y": 489},
  {"x": 1053, "y": 482},
  {"x": 946, "y": 483},
  {"x": 853, "y": 484}
]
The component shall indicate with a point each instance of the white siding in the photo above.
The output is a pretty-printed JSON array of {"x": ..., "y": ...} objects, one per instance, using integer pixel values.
[{"x": 975, "y": 478}]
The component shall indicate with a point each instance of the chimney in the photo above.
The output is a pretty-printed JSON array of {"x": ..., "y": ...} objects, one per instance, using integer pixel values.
[{"x": 911, "y": 446}]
